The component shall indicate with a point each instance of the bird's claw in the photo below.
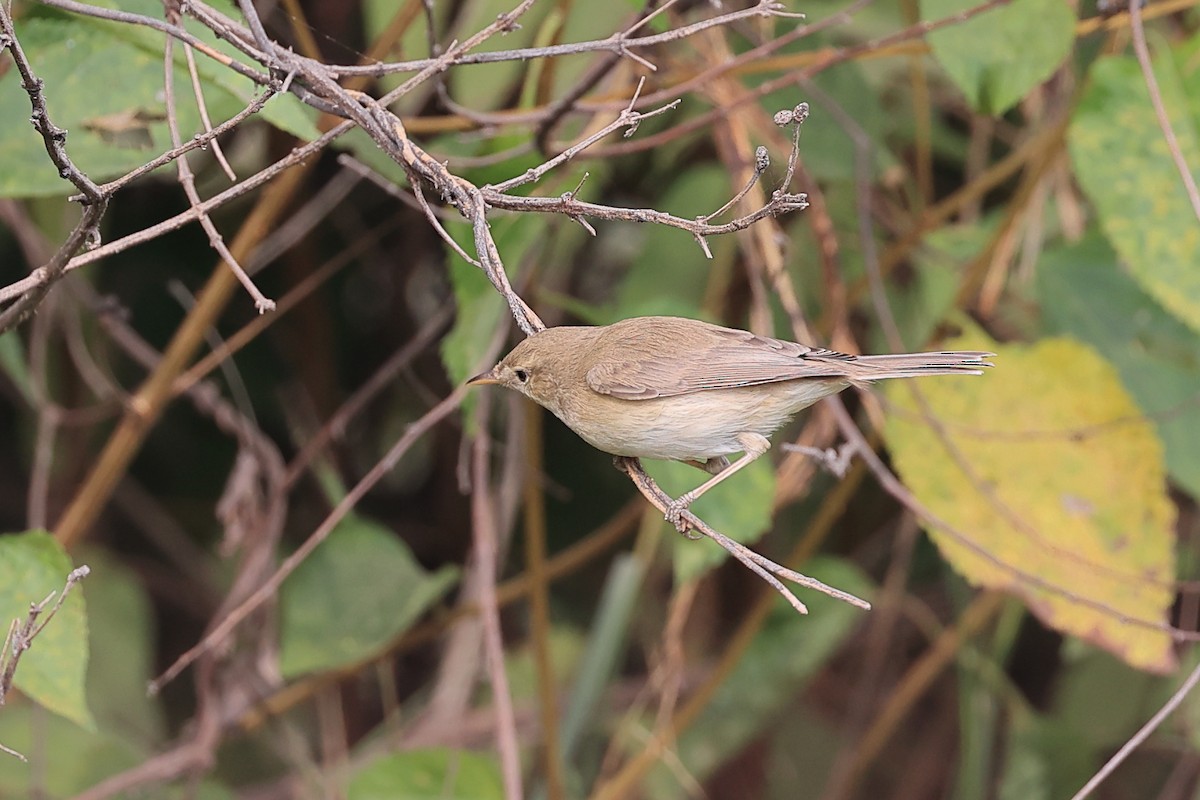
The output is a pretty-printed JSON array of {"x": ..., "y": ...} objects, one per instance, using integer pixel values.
[{"x": 674, "y": 514}]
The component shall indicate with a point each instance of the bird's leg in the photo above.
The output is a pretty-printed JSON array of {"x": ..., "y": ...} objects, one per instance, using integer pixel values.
[
  {"x": 713, "y": 466},
  {"x": 753, "y": 446}
]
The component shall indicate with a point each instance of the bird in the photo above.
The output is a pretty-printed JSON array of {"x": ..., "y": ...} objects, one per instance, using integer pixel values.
[{"x": 680, "y": 389}]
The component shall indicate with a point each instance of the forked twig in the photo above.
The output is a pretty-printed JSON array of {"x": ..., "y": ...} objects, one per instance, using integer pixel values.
[
  {"x": 86, "y": 232},
  {"x": 762, "y": 566},
  {"x": 21, "y": 635}
]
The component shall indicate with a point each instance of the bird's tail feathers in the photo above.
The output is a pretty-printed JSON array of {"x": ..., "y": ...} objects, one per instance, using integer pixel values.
[{"x": 914, "y": 365}]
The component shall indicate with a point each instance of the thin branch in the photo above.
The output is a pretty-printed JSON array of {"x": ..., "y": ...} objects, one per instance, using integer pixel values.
[
  {"x": 202, "y": 107},
  {"x": 484, "y": 535},
  {"x": 762, "y": 162},
  {"x": 1139, "y": 738},
  {"x": 628, "y": 119},
  {"x": 619, "y": 43},
  {"x": 87, "y": 231},
  {"x": 780, "y": 203},
  {"x": 1160, "y": 110},
  {"x": 188, "y": 182},
  {"x": 176, "y": 31},
  {"x": 764, "y": 567},
  {"x": 198, "y": 141},
  {"x": 267, "y": 589},
  {"x": 20, "y": 637}
]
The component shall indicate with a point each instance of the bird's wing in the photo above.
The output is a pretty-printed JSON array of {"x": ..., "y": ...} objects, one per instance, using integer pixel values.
[{"x": 724, "y": 359}]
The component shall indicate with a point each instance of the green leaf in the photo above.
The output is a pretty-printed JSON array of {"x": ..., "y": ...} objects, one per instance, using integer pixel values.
[
  {"x": 109, "y": 132},
  {"x": 427, "y": 774},
  {"x": 359, "y": 589},
  {"x": 1056, "y": 483},
  {"x": 32, "y": 565},
  {"x": 1129, "y": 698},
  {"x": 1123, "y": 164},
  {"x": 1084, "y": 293},
  {"x": 120, "y": 627},
  {"x": 285, "y": 111},
  {"x": 1027, "y": 766},
  {"x": 740, "y": 508},
  {"x": 129, "y": 725},
  {"x": 995, "y": 58},
  {"x": 71, "y": 758},
  {"x": 922, "y": 301},
  {"x": 670, "y": 273}
]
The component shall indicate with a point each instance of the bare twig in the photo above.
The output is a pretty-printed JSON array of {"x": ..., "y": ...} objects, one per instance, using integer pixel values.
[
  {"x": 621, "y": 44},
  {"x": 188, "y": 182},
  {"x": 484, "y": 535},
  {"x": 21, "y": 635},
  {"x": 780, "y": 203},
  {"x": 267, "y": 589},
  {"x": 87, "y": 231},
  {"x": 1160, "y": 110},
  {"x": 762, "y": 566},
  {"x": 200, "y": 140},
  {"x": 628, "y": 118},
  {"x": 202, "y": 107},
  {"x": 836, "y": 461},
  {"x": 335, "y": 426},
  {"x": 1139, "y": 738}
]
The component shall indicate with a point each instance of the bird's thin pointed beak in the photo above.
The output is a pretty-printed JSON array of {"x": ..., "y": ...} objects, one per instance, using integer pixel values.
[{"x": 484, "y": 378}]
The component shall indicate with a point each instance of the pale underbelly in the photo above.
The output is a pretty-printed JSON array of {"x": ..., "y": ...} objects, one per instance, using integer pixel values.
[{"x": 696, "y": 426}]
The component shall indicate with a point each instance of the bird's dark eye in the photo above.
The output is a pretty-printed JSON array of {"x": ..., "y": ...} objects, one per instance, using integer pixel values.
[{"x": 521, "y": 375}]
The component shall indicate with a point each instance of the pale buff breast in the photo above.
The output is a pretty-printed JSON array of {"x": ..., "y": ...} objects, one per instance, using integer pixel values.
[{"x": 695, "y": 426}]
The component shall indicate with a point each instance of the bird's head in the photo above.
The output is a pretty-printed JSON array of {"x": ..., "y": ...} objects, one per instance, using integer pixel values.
[{"x": 535, "y": 366}]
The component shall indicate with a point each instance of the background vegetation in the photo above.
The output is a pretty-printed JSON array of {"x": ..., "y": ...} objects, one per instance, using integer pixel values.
[{"x": 347, "y": 576}]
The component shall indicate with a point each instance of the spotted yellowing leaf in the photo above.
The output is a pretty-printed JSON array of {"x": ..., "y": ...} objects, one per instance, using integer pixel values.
[
  {"x": 1125, "y": 167},
  {"x": 1054, "y": 485}
]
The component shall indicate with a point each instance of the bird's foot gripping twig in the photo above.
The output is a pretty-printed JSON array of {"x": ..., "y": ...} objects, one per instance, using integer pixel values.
[
  {"x": 762, "y": 566},
  {"x": 674, "y": 514}
]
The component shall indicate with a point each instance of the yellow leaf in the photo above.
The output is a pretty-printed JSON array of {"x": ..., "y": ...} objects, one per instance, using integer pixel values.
[{"x": 1056, "y": 486}]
